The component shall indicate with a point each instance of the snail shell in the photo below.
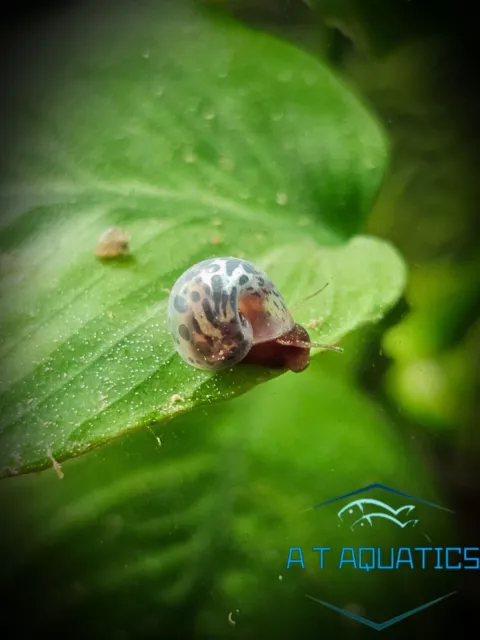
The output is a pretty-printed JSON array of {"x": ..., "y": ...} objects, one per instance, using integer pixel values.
[
  {"x": 223, "y": 311},
  {"x": 112, "y": 243}
]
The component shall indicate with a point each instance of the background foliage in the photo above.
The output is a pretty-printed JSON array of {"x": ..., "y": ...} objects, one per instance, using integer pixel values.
[{"x": 174, "y": 526}]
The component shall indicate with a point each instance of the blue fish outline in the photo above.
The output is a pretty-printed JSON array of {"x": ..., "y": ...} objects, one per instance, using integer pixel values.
[{"x": 385, "y": 516}]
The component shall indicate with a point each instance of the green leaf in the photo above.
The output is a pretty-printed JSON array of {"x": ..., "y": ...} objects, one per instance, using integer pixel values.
[
  {"x": 205, "y": 520},
  {"x": 178, "y": 127}
]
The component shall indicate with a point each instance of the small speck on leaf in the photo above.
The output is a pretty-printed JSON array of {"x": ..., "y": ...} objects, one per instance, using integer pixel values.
[
  {"x": 314, "y": 323},
  {"x": 112, "y": 243}
]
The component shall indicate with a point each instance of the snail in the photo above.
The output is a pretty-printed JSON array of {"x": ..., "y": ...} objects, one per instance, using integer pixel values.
[
  {"x": 112, "y": 243},
  {"x": 225, "y": 311}
]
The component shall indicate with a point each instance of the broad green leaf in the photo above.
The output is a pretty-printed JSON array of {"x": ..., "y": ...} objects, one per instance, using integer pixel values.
[
  {"x": 203, "y": 522},
  {"x": 199, "y": 137}
]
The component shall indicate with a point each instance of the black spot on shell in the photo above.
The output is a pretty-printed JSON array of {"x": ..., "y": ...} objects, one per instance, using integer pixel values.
[
  {"x": 184, "y": 332},
  {"x": 275, "y": 293},
  {"x": 261, "y": 281},
  {"x": 248, "y": 268},
  {"x": 195, "y": 296},
  {"x": 231, "y": 265},
  {"x": 196, "y": 326},
  {"x": 180, "y": 304},
  {"x": 217, "y": 288},
  {"x": 233, "y": 299},
  {"x": 224, "y": 302},
  {"x": 243, "y": 280},
  {"x": 239, "y": 336},
  {"x": 207, "y": 309},
  {"x": 207, "y": 289}
]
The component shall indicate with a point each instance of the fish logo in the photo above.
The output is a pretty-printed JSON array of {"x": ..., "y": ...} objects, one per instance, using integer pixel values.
[{"x": 371, "y": 510}]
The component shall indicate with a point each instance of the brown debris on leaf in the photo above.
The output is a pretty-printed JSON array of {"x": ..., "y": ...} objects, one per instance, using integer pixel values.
[{"x": 113, "y": 242}]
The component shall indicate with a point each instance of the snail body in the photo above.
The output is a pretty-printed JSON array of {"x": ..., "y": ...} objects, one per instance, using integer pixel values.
[{"x": 225, "y": 311}]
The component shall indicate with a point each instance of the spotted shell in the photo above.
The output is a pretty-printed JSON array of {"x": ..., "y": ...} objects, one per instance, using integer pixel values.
[{"x": 220, "y": 307}]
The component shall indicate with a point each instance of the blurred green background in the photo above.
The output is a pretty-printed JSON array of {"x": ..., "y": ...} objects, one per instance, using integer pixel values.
[{"x": 166, "y": 538}]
